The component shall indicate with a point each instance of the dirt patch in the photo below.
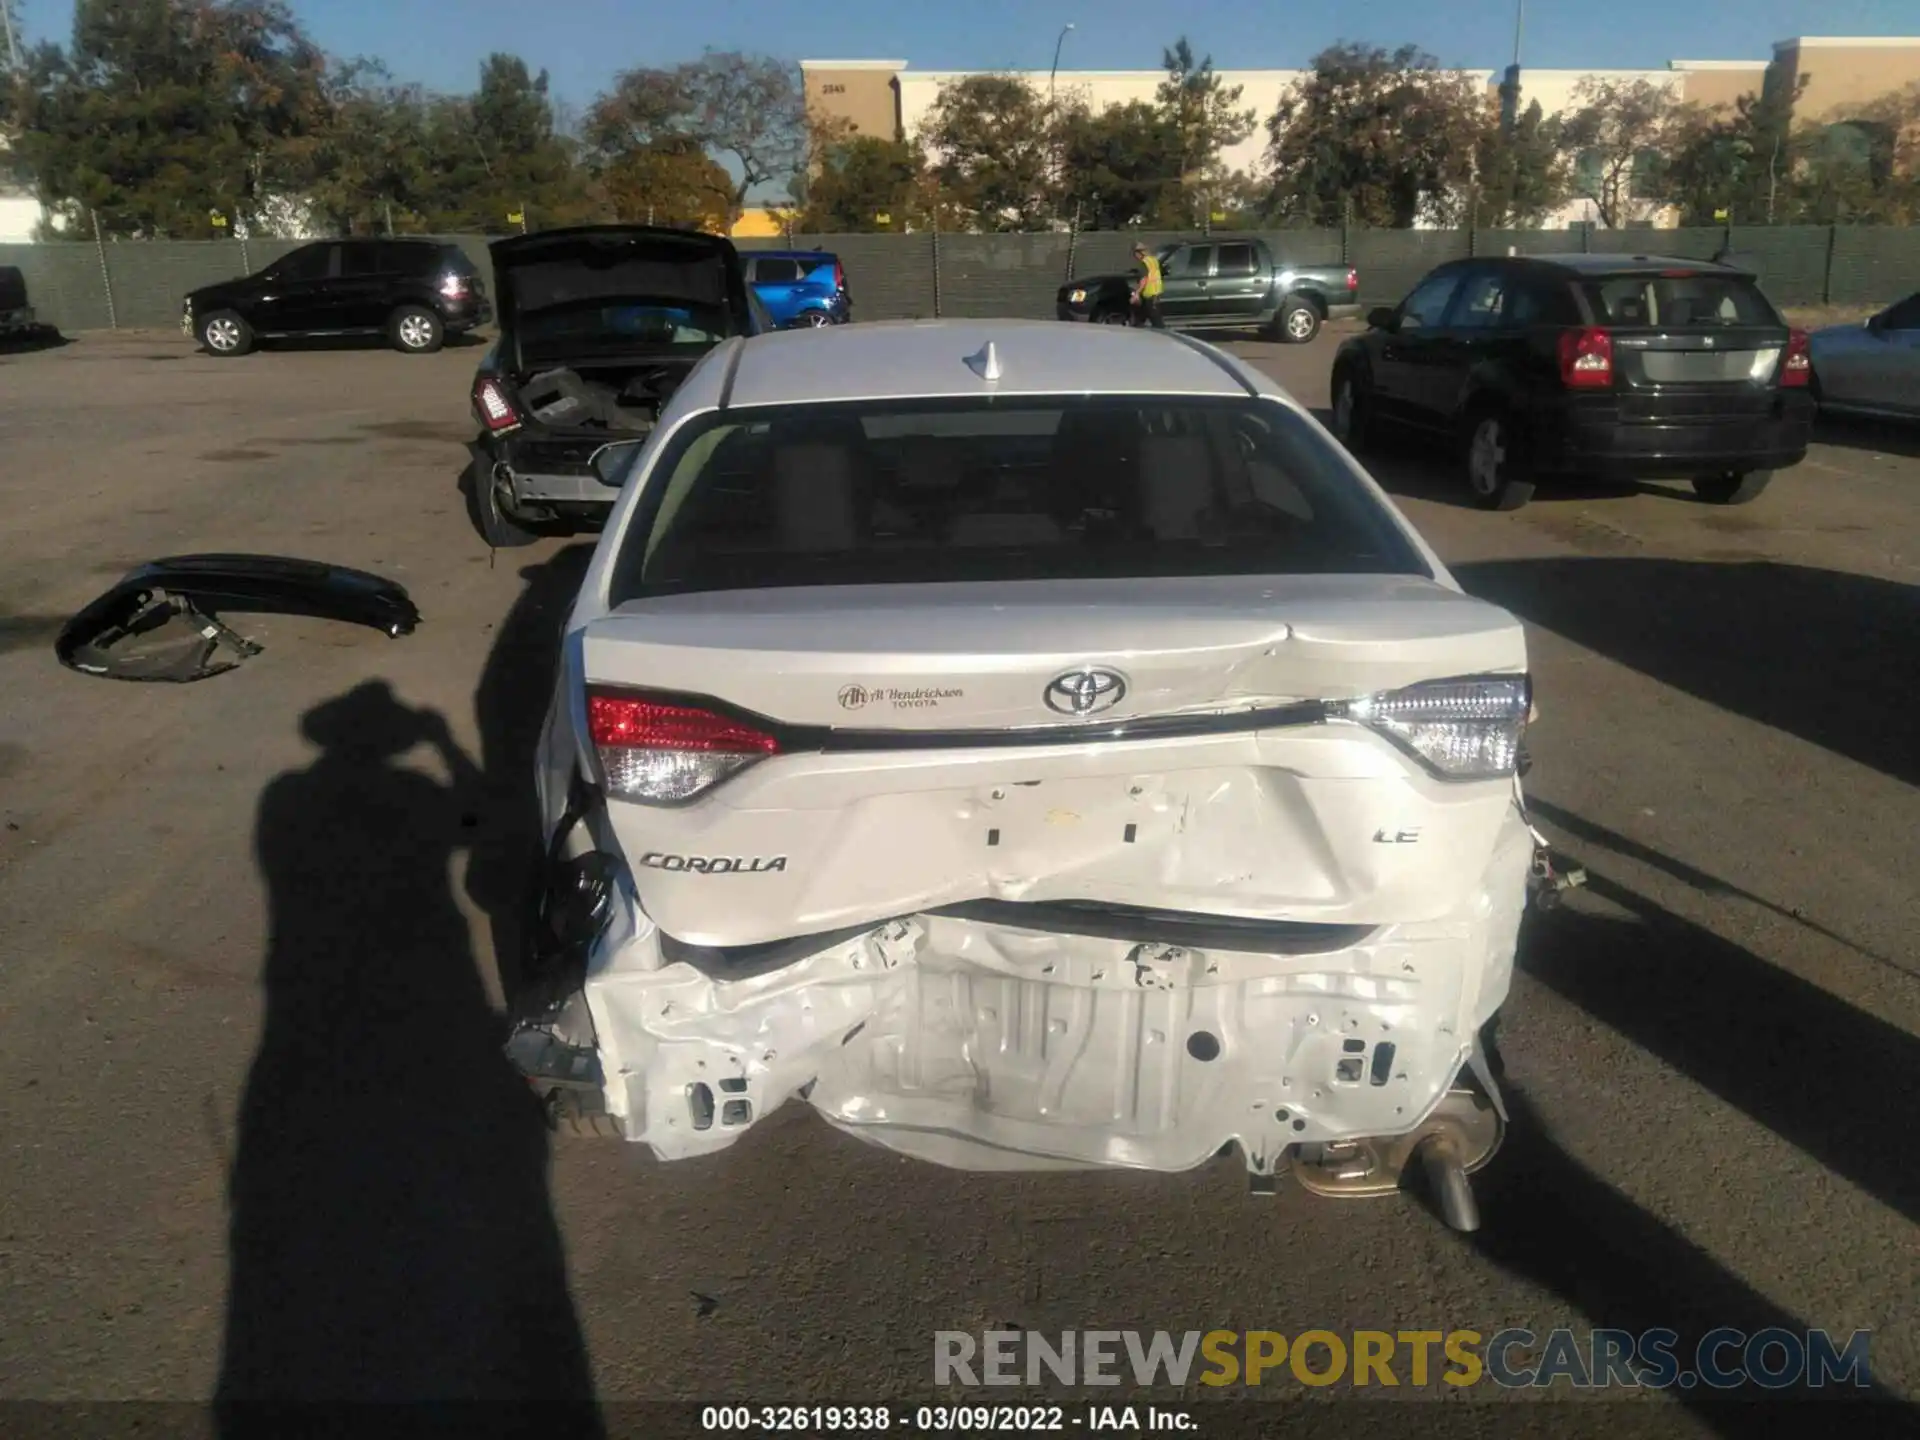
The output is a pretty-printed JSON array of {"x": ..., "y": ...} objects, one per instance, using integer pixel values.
[
  {"x": 321, "y": 440},
  {"x": 1812, "y": 317},
  {"x": 420, "y": 430},
  {"x": 230, "y": 456}
]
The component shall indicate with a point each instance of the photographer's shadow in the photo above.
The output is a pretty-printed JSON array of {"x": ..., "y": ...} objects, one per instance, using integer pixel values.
[{"x": 391, "y": 1233}]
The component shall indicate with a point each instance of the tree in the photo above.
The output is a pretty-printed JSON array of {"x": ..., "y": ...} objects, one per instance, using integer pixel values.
[
  {"x": 1205, "y": 116},
  {"x": 646, "y": 159},
  {"x": 1617, "y": 133},
  {"x": 990, "y": 143},
  {"x": 1121, "y": 166},
  {"x": 1520, "y": 175},
  {"x": 1386, "y": 137},
  {"x": 862, "y": 179},
  {"x": 749, "y": 109},
  {"x": 1864, "y": 167},
  {"x": 496, "y": 153},
  {"x": 161, "y": 112},
  {"x": 364, "y": 167}
]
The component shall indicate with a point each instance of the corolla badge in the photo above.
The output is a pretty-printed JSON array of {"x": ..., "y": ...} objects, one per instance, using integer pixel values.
[{"x": 1085, "y": 692}]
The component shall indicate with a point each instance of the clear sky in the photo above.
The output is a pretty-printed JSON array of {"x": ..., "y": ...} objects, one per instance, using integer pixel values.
[{"x": 582, "y": 43}]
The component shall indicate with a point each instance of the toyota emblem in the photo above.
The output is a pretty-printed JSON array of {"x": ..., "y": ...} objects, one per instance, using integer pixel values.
[{"x": 1085, "y": 692}]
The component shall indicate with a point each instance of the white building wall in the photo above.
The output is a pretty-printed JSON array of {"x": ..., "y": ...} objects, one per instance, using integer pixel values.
[{"x": 19, "y": 218}]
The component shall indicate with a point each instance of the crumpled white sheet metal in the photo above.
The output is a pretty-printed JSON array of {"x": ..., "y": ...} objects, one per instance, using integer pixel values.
[{"x": 987, "y": 1047}]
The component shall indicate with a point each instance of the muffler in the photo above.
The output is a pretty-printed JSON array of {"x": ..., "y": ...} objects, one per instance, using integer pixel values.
[{"x": 1461, "y": 1135}]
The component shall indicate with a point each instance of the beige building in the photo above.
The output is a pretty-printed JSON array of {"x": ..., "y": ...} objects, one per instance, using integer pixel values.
[
  {"x": 885, "y": 97},
  {"x": 863, "y": 93}
]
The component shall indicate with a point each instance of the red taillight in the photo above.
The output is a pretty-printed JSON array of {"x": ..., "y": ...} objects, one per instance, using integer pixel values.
[
  {"x": 496, "y": 412},
  {"x": 1586, "y": 358},
  {"x": 454, "y": 287},
  {"x": 1797, "y": 368},
  {"x": 663, "y": 754},
  {"x": 839, "y": 276},
  {"x": 1353, "y": 279}
]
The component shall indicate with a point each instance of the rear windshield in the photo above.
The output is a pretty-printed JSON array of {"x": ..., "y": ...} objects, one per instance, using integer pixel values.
[
  {"x": 892, "y": 493},
  {"x": 1629, "y": 300}
]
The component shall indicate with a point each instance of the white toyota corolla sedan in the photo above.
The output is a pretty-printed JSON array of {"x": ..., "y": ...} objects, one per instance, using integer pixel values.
[{"x": 1033, "y": 746}]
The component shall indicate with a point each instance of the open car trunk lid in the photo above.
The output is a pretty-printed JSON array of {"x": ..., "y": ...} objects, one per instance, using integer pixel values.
[
  {"x": 1166, "y": 744},
  {"x": 608, "y": 292}
]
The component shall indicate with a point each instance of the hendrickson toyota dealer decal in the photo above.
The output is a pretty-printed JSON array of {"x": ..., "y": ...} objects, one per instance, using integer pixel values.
[
  {"x": 714, "y": 864},
  {"x": 922, "y": 697}
]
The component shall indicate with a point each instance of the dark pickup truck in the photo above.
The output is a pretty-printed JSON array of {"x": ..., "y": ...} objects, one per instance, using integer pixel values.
[{"x": 1224, "y": 284}]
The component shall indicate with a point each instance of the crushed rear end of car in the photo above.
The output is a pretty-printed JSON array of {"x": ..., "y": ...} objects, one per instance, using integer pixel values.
[{"x": 873, "y": 801}]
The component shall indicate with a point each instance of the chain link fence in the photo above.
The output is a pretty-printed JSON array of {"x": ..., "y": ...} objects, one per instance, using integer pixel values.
[{"x": 138, "y": 284}]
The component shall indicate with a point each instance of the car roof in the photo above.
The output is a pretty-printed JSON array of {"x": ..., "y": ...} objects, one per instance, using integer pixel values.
[
  {"x": 1585, "y": 265},
  {"x": 929, "y": 359},
  {"x": 818, "y": 257}
]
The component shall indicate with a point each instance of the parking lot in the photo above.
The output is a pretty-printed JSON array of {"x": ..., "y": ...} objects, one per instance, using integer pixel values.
[{"x": 251, "y": 1069}]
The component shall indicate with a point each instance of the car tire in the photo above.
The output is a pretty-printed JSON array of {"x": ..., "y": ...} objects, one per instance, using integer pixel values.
[
  {"x": 1494, "y": 467},
  {"x": 1352, "y": 406},
  {"x": 497, "y": 527},
  {"x": 1732, "y": 488},
  {"x": 1297, "y": 323},
  {"x": 416, "y": 330},
  {"x": 223, "y": 333},
  {"x": 1112, "y": 315},
  {"x": 813, "y": 320}
]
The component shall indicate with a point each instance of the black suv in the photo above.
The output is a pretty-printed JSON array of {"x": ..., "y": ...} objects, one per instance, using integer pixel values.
[
  {"x": 1620, "y": 367},
  {"x": 415, "y": 292}
]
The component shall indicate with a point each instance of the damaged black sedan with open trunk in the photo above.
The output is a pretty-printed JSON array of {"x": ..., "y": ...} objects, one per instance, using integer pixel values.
[{"x": 599, "y": 325}]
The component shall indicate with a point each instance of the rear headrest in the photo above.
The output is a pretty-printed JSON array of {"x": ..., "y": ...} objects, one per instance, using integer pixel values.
[
  {"x": 814, "y": 497},
  {"x": 1176, "y": 485}
]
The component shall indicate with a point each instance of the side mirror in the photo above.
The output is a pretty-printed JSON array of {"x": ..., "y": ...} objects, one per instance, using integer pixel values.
[
  {"x": 1383, "y": 317},
  {"x": 610, "y": 462}
]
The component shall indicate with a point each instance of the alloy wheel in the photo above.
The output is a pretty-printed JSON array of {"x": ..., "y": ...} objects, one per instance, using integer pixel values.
[
  {"x": 416, "y": 332},
  {"x": 816, "y": 319},
  {"x": 223, "y": 334},
  {"x": 1487, "y": 456},
  {"x": 1300, "y": 324},
  {"x": 1343, "y": 410}
]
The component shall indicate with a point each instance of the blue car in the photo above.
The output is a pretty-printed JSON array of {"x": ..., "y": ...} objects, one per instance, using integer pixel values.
[{"x": 800, "y": 287}]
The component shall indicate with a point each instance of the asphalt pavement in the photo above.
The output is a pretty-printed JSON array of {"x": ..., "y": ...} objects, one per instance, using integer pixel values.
[{"x": 256, "y": 1134}]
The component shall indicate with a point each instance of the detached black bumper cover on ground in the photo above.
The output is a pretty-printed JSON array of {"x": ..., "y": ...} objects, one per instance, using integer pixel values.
[{"x": 160, "y": 622}]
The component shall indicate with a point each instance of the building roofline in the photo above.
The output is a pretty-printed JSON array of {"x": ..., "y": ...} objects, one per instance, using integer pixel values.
[
  {"x": 1064, "y": 76},
  {"x": 853, "y": 64},
  {"x": 1716, "y": 64},
  {"x": 1848, "y": 42}
]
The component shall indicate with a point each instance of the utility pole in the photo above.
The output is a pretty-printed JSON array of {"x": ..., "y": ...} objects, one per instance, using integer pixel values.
[
  {"x": 1510, "y": 87},
  {"x": 16, "y": 62},
  {"x": 1051, "y": 74},
  {"x": 1053, "y": 166}
]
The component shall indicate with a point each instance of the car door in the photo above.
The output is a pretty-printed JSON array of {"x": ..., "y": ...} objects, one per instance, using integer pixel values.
[
  {"x": 1242, "y": 282},
  {"x": 1889, "y": 374},
  {"x": 1408, "y": 350},
  {"x": 290, "y": 298},
  {"x": 1186, "y": 274},
  {"x": 358, "y": 297},
  {"x": 1472, "y": 331},
  {"x": 776, "y": 280}
]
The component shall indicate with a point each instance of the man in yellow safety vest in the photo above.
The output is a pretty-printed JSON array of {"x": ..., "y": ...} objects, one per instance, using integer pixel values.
[{"x": 1146, "y": 293}]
